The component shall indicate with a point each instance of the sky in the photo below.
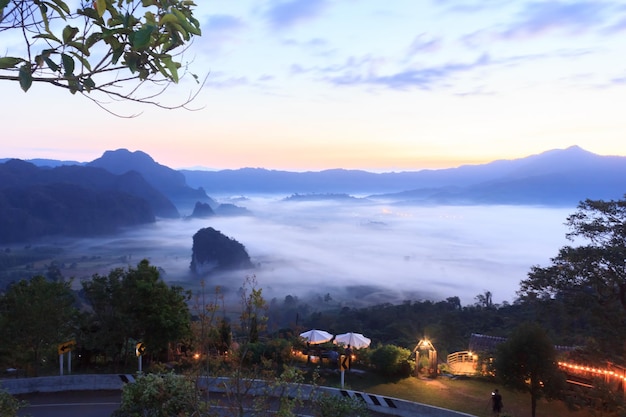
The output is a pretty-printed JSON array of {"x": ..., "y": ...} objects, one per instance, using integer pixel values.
[{"x": 360, "y": 84}]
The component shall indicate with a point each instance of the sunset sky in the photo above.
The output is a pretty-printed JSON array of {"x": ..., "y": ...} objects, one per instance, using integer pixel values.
[{"x": 361, "y": 84}]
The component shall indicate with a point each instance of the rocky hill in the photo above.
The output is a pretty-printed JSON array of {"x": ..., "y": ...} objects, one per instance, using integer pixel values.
[{"x": 214, "y": 251}]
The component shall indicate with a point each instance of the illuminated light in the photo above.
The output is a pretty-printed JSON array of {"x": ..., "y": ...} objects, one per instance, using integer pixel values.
[{"x": 196, "y": 356}]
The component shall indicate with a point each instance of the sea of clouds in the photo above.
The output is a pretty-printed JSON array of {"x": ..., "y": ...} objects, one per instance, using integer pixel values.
[{"x": 362, "y": 251}]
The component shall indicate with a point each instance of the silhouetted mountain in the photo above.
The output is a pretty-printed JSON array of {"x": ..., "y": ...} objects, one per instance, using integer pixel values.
[
  {"x": 344, "y": 198},
  {"x": 168, "y": 181},
  {"x": 41, "y": 162},
  {"x": 556, "y": 177},
  {"x": 213, "y": 251},
  {"x": 202, "y": 210},
  {"x": 73, "y": 200},
  {"x": 228, "y": 209}
]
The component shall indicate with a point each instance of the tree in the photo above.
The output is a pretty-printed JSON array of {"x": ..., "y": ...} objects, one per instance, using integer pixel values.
[
  {"x": 104, "y": 46},
  {"x": 152, "y": 311},
  {"x": 593, "y": 273},
  {"x": 36, "y": 315},
  {"x": 527, "y": 362},
  {"x": 484, "y": 300}
]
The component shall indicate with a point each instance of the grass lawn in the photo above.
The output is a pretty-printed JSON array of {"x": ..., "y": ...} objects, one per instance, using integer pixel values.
[{"x": 471, "y": 395}]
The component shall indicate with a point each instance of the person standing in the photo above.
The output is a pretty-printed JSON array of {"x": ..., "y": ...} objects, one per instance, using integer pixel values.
[
  {"x": 348, "y": 352},
  {"x": 333, "y": 356},
  {"x": 496, "y": 403}
]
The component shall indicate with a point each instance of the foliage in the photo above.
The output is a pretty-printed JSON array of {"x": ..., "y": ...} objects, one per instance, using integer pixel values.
[
  {"x": 155, "y": 395},
  {"x": 152, "y": 311},
  {"x": 286, "y": 388},
  {"x": 333, "y": 406},
  {"x": 73, "y": 201},
  {"x": 103, "y": 46},
  {"x": 9, "y": 405},
  {"x": 593, "y": 274},
  {"x": 35, "y": 316},
  {"x": 391, "y": 360},
  {"x": 527, "y": 362}
]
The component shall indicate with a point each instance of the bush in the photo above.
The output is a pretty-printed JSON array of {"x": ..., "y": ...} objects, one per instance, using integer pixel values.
[
  {"x": 391, "y": 360},
  {"x": 154, "y": 395},
  {"x": 9, "y": 405},
  {"x": 333, "y": 406}
]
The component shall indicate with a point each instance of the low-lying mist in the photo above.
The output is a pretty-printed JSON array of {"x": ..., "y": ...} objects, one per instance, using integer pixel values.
[{"x": 362, "y": 252}]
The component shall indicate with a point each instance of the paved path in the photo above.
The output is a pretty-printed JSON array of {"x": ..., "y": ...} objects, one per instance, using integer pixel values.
[{"x": 71, "y": 404}]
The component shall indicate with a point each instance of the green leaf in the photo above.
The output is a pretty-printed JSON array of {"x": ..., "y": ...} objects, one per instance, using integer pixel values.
[
  {"x": 141, "y": 38},
  {"x": 93, "y": 39},
  {"x": 4, "y": 3},
  {"x": 68, "y": 33},
  {"x": 81, "y": 47},
  {"x": 89, "y": 84},
  {"x": 26, "y": 78},
  {"x": 58, "y": 7},
  {"x": 131, "y": 60},
  {"x": 51, "y": 64},
  {"x": 68, "y": 64},
  {"x": 62, "y": 5},
  {"x": 44, "y": 16},
  {"x": 84, "y": 61},
  {"x": 101, "y": 6},
  {"x": 117, "y": 53},
  {"x": 48, "y": 36},
  {"x": 90, "y": 13},
  {"x": 172, "y": 67},
  {"x": 9, "y": 62},
  {"x": 74, "y": 85}
]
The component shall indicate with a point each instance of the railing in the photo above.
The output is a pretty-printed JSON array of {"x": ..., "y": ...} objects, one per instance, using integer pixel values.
[{"x": 462, "y": 363}]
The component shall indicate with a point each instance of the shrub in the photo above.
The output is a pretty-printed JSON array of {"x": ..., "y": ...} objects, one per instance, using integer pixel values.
[
  {"x": 333, "y": 406},
  {"x": 9, "y": 405},
  {"x": 155, "y": 395},
  {"x": 391, "y": 360}
]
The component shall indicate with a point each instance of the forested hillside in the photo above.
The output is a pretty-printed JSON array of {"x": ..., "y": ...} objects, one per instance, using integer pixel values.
[{"x": 73, "y": 201}]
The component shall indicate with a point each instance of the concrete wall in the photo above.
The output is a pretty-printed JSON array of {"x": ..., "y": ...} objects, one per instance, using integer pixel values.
[
  {"x": 65, "y": 383},
  {"x": 378, "y": 403}
]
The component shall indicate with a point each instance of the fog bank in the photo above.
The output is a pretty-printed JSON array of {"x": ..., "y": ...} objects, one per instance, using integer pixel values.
[{"x": 367, "y": 251}]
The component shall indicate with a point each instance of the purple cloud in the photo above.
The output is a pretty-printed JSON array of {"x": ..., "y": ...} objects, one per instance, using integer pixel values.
[
  {"x": 420, "y": 45},
  {"x": 540, "y": 17},
  {"x": 221, "y": 29},
  {"x": 422, "y": 78},
  {"x": 287, "y": 13}
]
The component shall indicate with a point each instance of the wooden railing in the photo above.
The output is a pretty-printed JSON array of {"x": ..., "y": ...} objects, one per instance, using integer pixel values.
[{"x": 462, "y": 363}]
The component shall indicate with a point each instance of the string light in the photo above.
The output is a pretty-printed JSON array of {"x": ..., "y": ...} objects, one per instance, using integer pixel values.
[{"x": 606, "y": 372}]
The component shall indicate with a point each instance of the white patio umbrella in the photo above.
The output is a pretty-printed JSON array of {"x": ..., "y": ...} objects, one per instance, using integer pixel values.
[
  {"x": 316, "y": 336},
  {"x": 355, "y": 340}
]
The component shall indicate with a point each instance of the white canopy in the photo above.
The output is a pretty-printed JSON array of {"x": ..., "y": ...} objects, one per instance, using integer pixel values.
[
  {"x": 355, "y": 340},
  {"x": 316, "y": 336}
]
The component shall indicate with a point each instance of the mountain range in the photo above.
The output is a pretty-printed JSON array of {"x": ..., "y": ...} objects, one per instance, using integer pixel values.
[
  {"x": 560, "y": 177},
  {"x": 123, "y": 188}
]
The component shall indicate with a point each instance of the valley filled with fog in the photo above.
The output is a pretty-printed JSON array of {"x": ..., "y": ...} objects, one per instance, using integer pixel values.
[{"x": 358, "y": 251}]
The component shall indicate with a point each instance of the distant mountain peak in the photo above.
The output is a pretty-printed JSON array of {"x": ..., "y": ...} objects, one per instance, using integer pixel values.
[
  {"x": 168, "y": 181},
  {"x": 125, "y": 157}
]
